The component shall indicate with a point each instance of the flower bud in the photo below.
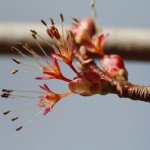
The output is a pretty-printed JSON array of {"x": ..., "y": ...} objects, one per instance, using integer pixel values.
[
  {"x": 83, "y": 30},
  {"x": 113, "y": 66},
  {"x": 88, "y": 85}
]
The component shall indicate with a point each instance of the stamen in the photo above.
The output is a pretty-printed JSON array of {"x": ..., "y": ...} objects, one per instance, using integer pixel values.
[
  {"x": 94, "y": 14},
  {"x": 33, "y": 31},
  {"x": 18, "y": 96},
  {"x": 71, "y": 34},
  {"x": 52, "y": 21},
  {"x": 16, "y": 60},
  {"x": 27, "y": 91},
  {"x": 35, "y": 55},
  {"x": 6, "y": 112},
  {"x": 15, "y": 71},
  {"x": 92, "y": 3},
  {"x": 19, "y": 128},
  {"x": 44, "y": 23},
  {"x": 93, "y": 9},
  {"x": 19, "y": 109},
  {"x": 7, "y": 91},
  {"x": 24, "y": 108},
  {"x": 29, "y": 121},
  {"x": 75, "y": 20},
  {"x": 62, "y": 20},
  {"x": 62, "y": 17},
  {"x": 14, "y": 118},
  {"x": 23, "y": 55},
  {"x": 40, "y": 46},
  {"x": 26, "y": 47},
  {"x": 5, "y": 95},
  {"x": 44, "y": 40}
]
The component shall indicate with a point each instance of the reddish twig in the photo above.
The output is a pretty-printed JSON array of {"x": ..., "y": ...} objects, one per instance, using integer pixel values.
[{"x": 120, "y": 87}]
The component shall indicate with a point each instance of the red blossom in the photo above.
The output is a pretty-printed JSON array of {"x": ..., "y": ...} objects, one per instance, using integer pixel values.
[
  {"x": 97, "y": 44},
  {"x": 52, "y": 71},
  {"x": 64, "y": 51},
  {"x": 49, "y": 99},
  {"x": 83, "y": 30}
]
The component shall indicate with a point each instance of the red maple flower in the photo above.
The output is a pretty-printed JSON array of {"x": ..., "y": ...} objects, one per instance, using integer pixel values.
[
  {"x": 97, "y": 44},
  {"x": 64, "y": 51},
  {"x": 83, "y": 30},
  {"x": 49, "y": 99},
  {"x": 52, "y": 71}
]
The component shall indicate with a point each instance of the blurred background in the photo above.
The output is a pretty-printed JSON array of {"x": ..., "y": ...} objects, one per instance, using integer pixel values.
[{"x": 76, "y": 122}]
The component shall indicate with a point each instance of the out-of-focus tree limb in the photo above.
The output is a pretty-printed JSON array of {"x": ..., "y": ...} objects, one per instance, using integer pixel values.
[{"x": 129, "y": 43}]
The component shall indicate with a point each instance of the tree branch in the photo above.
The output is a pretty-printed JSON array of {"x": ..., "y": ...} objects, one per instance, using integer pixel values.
[{"x": 120, "y": 87}]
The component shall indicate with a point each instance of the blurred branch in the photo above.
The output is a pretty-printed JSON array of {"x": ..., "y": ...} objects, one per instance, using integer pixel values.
[{"x": 129, "y": 43}]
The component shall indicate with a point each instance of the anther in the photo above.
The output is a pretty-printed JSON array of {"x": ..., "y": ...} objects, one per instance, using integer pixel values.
[
  {"x": 16, "y": 60},
  {"x": 15, "y": 71},
  {"x": 19, "y": 128},
  {"x": 44, "y": 23},
  {"x": 34, "y": 32},
  {"x": 75, "y": 20},
  {"x": 33, "y": 35},
  {"x": 15, "y": 118},
  {"x": 71, "y": 34},
  {"x": 7, "y": 91},
  {"x": 5, "y": 95},
  {"x": 62, "y": 17},
  {"x": 6, "y": 112},
  {"x": 92, "y": 3},
  {"x": 55, "y": 32},
  {"x": 52, "y": 21}
]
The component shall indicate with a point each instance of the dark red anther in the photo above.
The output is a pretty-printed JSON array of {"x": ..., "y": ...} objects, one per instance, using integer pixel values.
[
  {"x": 55, "y": 32},
  {"x": 49, "y": 32}
]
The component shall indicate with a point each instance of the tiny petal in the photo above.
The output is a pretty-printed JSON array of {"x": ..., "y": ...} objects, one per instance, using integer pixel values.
[
  {"x": 97, "y": 44},
  {"x": 48, "y": 99},
  {"x": 47, "y": 110},
  {"x": 80, "y": 86},
  {"x": 83, "y": 30}
]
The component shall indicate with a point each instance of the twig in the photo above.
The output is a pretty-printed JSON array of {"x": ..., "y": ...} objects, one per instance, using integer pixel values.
[{"x": 120, "y": 87}]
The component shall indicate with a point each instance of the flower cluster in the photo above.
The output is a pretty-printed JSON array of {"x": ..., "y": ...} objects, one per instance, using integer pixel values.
[{"x": 85, "y": 83}]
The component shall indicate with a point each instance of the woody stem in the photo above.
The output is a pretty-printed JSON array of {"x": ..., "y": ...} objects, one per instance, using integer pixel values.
[{"x": 121, "y": 88}]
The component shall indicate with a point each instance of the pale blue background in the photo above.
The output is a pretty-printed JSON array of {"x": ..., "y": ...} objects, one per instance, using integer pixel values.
[{"x": 77, "y": 123}]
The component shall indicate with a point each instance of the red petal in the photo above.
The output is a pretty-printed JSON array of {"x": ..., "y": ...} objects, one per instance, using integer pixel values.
[
  {"x": 45, "y": 87},
  {"x": 55, "y": 63},
  {"x": 102, "y": 39},
  {"x": 90, "y": 44},
  {"x": 60, "y": 57},
  {"x": 53, "y": 75},
  {"x": 46, "y": 110}
]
